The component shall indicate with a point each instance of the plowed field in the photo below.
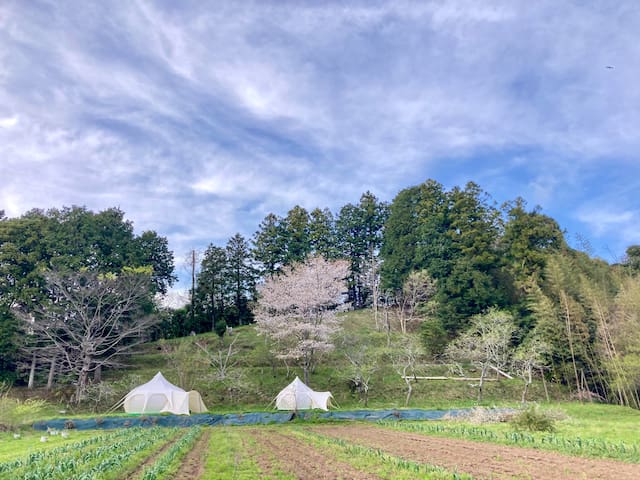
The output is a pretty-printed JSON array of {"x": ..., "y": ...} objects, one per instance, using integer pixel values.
[{"x": 482, "y": 460}]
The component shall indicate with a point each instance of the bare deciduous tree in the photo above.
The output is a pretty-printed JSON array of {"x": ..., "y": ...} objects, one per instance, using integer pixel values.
[
  {"x": 363, "y": 363},
  {"x": 417, "y": 289},
  {"x": 405, "y": 361},
  {"x": 486, "y": 344},
  {"x": 529, "y": 357},
  {"x": 92, "y": 320},
  {"x": 222, "y": 359},
  {"x": 296, "y": 310}
]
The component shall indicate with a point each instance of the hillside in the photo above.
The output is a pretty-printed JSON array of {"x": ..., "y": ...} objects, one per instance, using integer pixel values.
[{"x": 253, "y": 377}]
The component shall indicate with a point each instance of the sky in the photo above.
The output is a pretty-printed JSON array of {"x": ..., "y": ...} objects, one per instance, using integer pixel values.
[{"x": 198, "y": 118}]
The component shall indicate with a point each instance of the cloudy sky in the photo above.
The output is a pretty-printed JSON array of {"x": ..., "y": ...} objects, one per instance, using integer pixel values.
[{"x": 198, "y": 118}]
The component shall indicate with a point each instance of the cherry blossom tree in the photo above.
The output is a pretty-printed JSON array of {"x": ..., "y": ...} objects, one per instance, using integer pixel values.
[{"x": 296, "y": 310}]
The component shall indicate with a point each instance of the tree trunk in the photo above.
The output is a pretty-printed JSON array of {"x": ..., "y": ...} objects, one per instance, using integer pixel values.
[
  {"x": 544, "y": 384},
  {"x": 409, "y": 387},
  {"x": 565, "y": 302},
  {"x": 527, "y": 383},
  {"x": 83, "y": 379},
  {"x": 52, "y": 371},
  {"x": 306, "y": 373},
  {"x": 213, "y": 307},
  {"x": 483, "y": 374},
  {"x": 32, "y": 372},
  {"x": 97, "y": 374}
]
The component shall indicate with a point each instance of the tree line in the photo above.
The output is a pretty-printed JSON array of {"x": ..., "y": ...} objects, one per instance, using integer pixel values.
[
  {"x": 76, "y": 293},
  {"x": 436, "y": 258}
]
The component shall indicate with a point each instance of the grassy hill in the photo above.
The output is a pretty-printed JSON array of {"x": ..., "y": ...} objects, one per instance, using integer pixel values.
[{"x": 253, "y": 377}]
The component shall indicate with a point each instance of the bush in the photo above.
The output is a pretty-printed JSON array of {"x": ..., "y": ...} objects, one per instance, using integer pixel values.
[
  {"x": 534, "y": 420},
  {"x": 14, "y": 412}
]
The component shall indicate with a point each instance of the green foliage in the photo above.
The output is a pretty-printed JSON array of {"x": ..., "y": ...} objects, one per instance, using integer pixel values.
[
  {"x": 167, "y": 464},
  {"x": 434, "y": 336},
  {"x": 228, "y": 455},
  {"x": 453, "y": 236},
  {"x": 632, "y": 258},
  {"x": 15, "y": 413},
  {"x": 108, "y": 456},
  {"x": 359, "y": 237},
  {"x": 590, "y": 432},
  {"x": 9, "y": 344},
  {"x": 534, "y": 419}
]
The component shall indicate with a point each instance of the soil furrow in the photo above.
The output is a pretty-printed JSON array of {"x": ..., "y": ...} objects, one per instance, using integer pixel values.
[
  {"x": 482, "y": 460},
  {"x": 301, "y": 460},
  {"x": 194, "y": 462}
]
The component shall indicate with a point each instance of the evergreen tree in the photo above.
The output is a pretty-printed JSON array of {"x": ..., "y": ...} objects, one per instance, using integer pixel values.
[
  {"x": 472, "y": 283},
  {"x": 242, "y": 279},
  {"x": 400, "y": 239},
  {"x": 212, "y": 285},
  {"x": 359, "y": 230},
  {"x": 269, "y": 245},
  {"x": 322, "y": 233},
  {"x": 296, "y": 235}
]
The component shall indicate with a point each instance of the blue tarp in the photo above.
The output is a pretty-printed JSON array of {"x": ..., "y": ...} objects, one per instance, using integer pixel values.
[{"x": 240, "y": 418}]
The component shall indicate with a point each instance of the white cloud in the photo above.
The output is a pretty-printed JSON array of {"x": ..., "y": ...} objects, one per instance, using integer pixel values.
[
  {"x": 197, "y": 121},
  {"x": 604, "y": 219},
  {"x": 9, "y": 122}
]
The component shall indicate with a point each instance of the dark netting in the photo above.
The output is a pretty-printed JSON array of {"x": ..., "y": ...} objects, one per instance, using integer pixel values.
[{"x": 253, "y": 418}]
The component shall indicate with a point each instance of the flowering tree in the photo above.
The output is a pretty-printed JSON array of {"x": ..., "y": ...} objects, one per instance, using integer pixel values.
[{"x": 297, "y": 310}]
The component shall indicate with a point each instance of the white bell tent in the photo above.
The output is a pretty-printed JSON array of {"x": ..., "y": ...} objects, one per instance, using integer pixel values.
[
  {"x": 160, "y": 396},
  {"x": 298, "y": 396}
]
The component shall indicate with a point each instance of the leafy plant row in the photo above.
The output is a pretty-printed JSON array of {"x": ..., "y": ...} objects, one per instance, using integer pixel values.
[
  {"x": 90, "y": 459},
  {"x": 179, "y": 448},
  {"x": 38, "y": 456},
  {"x": 380, "y": 456},
  {"x": 573, "y": 446}
]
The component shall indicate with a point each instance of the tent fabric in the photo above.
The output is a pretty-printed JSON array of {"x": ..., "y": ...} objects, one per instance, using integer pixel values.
[
  {"x": 160, "y": 396},
  {"x": 196, "y": 405},
  {"x": 298, "y": 396}
]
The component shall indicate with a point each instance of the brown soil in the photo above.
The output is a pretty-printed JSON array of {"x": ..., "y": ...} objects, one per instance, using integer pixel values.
[
  {"x": 482, "y": 460},
  {"x": 152, "y": 458},
  {"x": 280, "y": 452},
  {"x": 193, "y": 464}
]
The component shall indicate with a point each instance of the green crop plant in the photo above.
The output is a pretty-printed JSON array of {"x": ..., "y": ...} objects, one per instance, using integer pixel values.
[
  {"x": 378, "y": 461},
  {"x": 161, "y": 468},
  {"x": 227, "y": 456},
  {"x": 91, "y": 458},
  {"x": 588, "y": 447}
]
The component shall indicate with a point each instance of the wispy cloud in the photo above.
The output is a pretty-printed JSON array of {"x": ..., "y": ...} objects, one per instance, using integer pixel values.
[{"x": 199, "y": 118}]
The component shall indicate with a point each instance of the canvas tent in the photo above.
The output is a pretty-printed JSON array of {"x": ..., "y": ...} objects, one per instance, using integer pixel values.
[
  {"x": 160, "y": 396},
  {"x": 298, "y": 396}
]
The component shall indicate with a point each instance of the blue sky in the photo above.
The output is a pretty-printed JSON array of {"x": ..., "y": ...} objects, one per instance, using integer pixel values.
[{"x": 198, "y": 118}]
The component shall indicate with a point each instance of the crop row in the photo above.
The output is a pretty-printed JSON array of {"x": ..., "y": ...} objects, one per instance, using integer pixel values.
[
  {"x": 376, "y": 456},
  {"x": 46, "y": 455},
  {"x": 88, "y": 459},
  {"x": 178, "y": 449},
  {"x": 574, "y": 446}
]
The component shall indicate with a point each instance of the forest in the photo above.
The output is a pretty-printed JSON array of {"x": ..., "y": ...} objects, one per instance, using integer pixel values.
[{"x": 79, "y": 289}]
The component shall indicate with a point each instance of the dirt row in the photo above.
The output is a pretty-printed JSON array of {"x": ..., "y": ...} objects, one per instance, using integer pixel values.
[
  {"x": 277, "y": 452},
  {"x": 482, "y": 460},
  {"x": 301, "y": 460},
  {"x": 194, "y": 462}
]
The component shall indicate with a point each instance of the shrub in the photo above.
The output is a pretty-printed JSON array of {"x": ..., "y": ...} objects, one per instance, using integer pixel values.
[
  {"x": 14, "y": 412},
  {"x": 534, "y": 420}
]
